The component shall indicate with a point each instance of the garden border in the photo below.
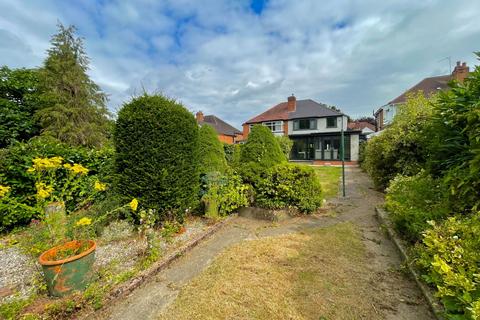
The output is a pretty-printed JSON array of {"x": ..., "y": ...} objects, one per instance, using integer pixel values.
[
  {"x": 434, "y": 304},
  {"x": 123, "y": 289}
]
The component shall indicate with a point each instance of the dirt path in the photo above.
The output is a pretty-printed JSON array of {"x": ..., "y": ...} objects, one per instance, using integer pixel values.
[{"x": 396, "y": 296}]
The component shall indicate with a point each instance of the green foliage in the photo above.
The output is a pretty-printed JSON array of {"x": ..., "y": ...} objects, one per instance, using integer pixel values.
[
  {"x": 211, "y": 155},
  {"x": 286, "y": 145},
  {"x": 455, "y": 141},
  {"x": 450, "y": 260},
  {"x": 261, "y": 152},
  {"x": 73, "y": 106},
  {"x": 156, "y": 159},
  {"x": 412, "y": 201},
  {"x": 401, "y": 148},
  {"x": 232, "y": 154},
  {"x": 223, "y": 194},
  {"x": 16, "y": 210},
  {"x": 289, "y": 185},
  {"x": 18, "y": 103}
]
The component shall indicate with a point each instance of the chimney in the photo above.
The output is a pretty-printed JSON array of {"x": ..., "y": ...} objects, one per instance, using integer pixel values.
[
  {"x": 199, "y": 116},
  {"x": 291, "y": 103},
  {"x": 460, "y": 72}
]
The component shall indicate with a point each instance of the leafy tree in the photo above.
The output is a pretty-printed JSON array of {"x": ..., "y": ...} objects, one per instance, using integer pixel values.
[
  {"x": 402, "y": 147},
  {"x": 156, "y": 160},
  {"x": 212, "y": 155},
  {"x": 18, "y": 103},
  {"x": 73, "y": 106},
  {"x": 286, "y": 145},
  {"x": 370, "y": 120},
  {"x": 455, "y": 141}
]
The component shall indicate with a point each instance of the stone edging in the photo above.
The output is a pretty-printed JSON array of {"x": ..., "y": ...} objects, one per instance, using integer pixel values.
[
  {"x": 122, "y": 290},
  {"x": 434, "y": 304}
]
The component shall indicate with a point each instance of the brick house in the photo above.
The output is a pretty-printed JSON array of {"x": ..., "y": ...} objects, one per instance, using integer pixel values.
[
  {"x": 314, "y": 128},
  {"x": 429, "y": 86},
  {"x": 226, "y": 133}
]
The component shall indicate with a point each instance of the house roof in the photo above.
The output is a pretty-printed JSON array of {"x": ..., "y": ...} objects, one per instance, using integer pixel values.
[
  {"x": 429, "y": 86},
  {"x": 219, "y": 125},
  {"x": 360, "y": 125},
  {"x": 304, "y": 109}
]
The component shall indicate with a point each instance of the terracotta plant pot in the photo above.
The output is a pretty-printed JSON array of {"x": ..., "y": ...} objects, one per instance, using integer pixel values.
[{"x": 69, "y": 274}]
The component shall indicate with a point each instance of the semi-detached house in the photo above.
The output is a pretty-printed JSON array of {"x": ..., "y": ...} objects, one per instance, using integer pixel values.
[{"x": 314, "y": 128}]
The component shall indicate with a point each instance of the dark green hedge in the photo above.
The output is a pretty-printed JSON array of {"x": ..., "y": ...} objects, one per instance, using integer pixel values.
[
  {"x": 212, "y": 155},
  {"x": 156, "y": 159}
]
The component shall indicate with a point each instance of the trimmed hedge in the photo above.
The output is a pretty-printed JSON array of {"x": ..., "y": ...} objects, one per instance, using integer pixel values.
[
  {"x": 212, "y": 155},
  {"x": 156, "y": 159},
  {"x": 289, "y": 185},
  {"x": 261, "y": 152}
]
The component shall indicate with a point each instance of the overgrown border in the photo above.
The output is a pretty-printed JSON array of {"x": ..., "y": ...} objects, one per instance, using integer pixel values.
[
  {"x": 434, "y": 304},
  {"x": 123, "y": 289}
]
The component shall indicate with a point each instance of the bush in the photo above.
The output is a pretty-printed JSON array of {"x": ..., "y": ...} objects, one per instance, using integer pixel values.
[
  {"x": 223, "y": 194},
  {"x": 413, "y": 201},
  {"x": 402, "y": 147},
  {"x": 286, "y": 145},
  {"x": 289, "y": 185},
  {"x": 450, "y": 260},
  {"x": 156, "y": 158},
  {"x": 16, "y": 159},
  {"x": 260, "y": 152},
  {"x": 211, "y": 155}
]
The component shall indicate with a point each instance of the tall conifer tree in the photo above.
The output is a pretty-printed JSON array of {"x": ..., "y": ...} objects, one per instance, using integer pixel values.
[{"x": 73, "y": 106}]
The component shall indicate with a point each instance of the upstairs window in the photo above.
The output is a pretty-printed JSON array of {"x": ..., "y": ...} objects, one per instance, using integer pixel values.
[
  {"x": 274, "y": 126},
  {"x": 331, "y": 122},
  {"x": 305, "y": 124}
]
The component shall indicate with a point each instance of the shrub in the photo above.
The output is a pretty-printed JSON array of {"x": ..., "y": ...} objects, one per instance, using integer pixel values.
[
  {"x": 286, "y": 145},
  {"x": 450, "y": 260},
  {"x": 289, "y": 185},
  {"x": 260, "y": 152},
  {"x": 16, "y": 159},
  {"x": 211, "y": 155},
  {"x": 402, "y": 147},
  {"x": 412, "y": 201},
  {"x": 156, "y": 158},
  {"x": 223, "y": 194}
]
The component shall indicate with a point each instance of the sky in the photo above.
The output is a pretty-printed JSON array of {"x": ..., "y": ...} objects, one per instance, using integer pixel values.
[{"x": 236, "y": 58}]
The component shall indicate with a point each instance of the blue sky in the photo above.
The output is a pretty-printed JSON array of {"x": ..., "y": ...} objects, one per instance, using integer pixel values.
[{"x": 236, "y": 58}]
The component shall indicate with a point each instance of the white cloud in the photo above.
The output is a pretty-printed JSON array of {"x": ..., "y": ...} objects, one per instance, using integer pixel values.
[{"x": 222, "y": 58}]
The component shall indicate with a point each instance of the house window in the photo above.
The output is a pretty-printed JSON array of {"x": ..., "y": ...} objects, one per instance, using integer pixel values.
[
  {"x": 305, "y": 124},
  {"x": 274, "y": 126},
  {"x": 331, "y": 122}
]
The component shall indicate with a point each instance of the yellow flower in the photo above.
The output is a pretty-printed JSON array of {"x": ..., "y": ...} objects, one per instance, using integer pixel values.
[
  {"x": 4, "y": 190},
  {"x": 31, "y": 170},
  {"x": 79, "y": 169},
  {"x": 100, "y": 186},
  {"x": 46, "y": 163},
  {"x": 67, "y": 166},
  {"x": 43, "y": 191},
  {"x": 83, "y": 222},
  {"x": 134, "y": 204}
]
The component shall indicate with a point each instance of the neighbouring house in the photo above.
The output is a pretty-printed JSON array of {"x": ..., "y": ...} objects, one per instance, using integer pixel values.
[
  {"x": 429, "y": 86},
  {"x": 314, "y": 128},
  {"x": 226, "y": 133},
  {"x": 365, "y": 128}
]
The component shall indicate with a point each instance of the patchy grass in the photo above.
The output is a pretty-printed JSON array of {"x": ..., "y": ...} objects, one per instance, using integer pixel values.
[
  {"x": 329, "y": 179},
  {"x": 318, "y": 274}
]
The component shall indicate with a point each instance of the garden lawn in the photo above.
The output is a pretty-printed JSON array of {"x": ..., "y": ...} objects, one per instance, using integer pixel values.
[
  {"x": 329, "y": 179},
  {"x": 317, "y": 274}
]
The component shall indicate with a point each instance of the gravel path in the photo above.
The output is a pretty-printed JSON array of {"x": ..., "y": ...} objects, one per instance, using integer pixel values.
[{"x": 396, "y": 296}]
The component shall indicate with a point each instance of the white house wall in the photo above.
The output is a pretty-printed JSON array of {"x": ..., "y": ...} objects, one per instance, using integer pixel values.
[
  {"x": 354, "y": 147},
  {"x": 321, "y": 127}
]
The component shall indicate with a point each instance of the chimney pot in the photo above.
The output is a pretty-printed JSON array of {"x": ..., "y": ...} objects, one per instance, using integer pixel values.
[
  {"x": 199, "y": 116},
  {"x": 464, "y": 64},
  {"x": 291, "y": 103},
  {"x": 458, "y": 63}
]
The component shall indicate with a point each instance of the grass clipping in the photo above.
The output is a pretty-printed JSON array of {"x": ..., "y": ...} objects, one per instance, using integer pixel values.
[{"x": 318, "y": 274}]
